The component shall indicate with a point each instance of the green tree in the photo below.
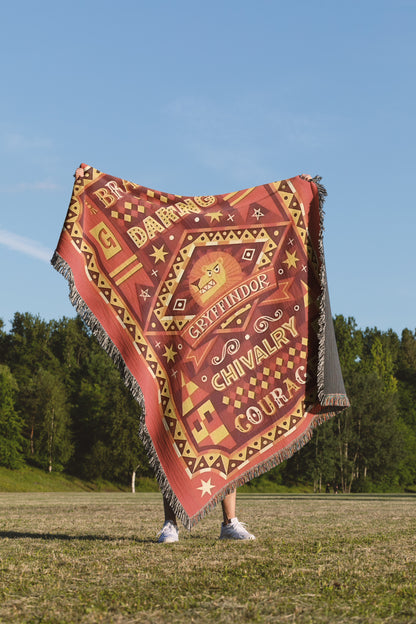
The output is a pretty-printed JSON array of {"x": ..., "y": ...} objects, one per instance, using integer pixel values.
[
  {"x": 369, "y": 440},
  {"x": 127, "y": 452},
  {"x": 42, "y": 397},
  {"x": 25, "y": 350},
  {"x": 11, "y": 424},
  {"x": 53, "y": 446},
  {"x": 406, "y": 375},
  {"x": 105, "y": 422},
  {"x": 368, "y": 445},
  {"x": 346, "y": 426}
]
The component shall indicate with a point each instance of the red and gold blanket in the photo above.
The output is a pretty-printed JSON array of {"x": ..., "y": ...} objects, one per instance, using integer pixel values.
[{"x": 216, "y": 309}]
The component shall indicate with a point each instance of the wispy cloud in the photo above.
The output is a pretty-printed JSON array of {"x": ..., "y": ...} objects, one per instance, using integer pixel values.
[
  {"x": 19, "y": 187},
  {"x": 18, "y": 142},
  {"x": 40, "y": 185},
  {"x": 24, "y": 245}
]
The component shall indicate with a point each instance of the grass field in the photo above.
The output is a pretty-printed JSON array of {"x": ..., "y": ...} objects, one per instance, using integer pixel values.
[
  {"x": 30, "y": 479},
  {"x": 91, "y": 557}
]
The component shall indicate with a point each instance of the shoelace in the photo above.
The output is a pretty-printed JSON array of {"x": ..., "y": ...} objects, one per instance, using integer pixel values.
[{"x": 243, "y": 525}]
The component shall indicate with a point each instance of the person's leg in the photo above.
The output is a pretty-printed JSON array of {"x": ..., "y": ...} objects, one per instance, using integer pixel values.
[
  {"x": 170, "y": 532},
  {"x": 169, "y": 513},
  {"x": 228, "y": 506},
  {"x": 231, "y": 528}
]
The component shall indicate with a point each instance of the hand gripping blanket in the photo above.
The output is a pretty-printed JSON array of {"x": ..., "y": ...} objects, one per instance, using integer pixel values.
[{"x": 216, "y": 310}]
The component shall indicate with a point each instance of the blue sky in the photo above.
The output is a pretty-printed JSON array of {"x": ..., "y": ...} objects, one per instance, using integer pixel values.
[{"x": 200, "y": 98}]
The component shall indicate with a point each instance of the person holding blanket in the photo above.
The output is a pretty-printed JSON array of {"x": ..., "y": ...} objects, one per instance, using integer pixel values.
[{"x": 231, "y": 527}]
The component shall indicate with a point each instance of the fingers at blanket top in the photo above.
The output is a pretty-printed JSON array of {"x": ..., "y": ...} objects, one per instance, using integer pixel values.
[
  {"x": 306, "y": 176},
  {"x": 79, "y": 173}
]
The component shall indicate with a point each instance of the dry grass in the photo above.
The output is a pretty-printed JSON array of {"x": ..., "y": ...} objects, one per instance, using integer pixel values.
[{"x": 90, "y": 558}]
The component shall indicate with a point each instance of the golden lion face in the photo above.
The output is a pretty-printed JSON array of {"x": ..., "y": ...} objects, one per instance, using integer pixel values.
[
  {"x": 212, "y": 275},
  {"x": 212, "y": 279}
]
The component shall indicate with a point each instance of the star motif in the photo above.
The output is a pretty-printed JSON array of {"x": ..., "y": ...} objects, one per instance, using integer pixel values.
[
  {"x": 145, "y": 294},
  {"x": 206, "y": 487},
  {"x": 169, "y": 354},
  {"x": 291, "y": 259},
  {"x": 257, "y": 213},
  {"x": 215, "y": 216},
  {"x": 159, "y": 254}
]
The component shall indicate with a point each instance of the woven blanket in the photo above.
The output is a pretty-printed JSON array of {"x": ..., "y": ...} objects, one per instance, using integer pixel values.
[{"x": 216, "y": 310}]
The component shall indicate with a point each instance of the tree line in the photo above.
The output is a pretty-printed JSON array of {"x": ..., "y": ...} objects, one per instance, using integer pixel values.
[{"x": 64, "y": 407}]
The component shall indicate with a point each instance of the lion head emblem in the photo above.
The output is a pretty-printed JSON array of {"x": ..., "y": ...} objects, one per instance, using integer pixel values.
[{"x": 212, "y": 275}]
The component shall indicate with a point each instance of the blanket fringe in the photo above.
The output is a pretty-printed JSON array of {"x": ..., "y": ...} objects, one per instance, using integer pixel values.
[
  {"x": 109, "y": 347},
  {"x": 323, "y": 283}
]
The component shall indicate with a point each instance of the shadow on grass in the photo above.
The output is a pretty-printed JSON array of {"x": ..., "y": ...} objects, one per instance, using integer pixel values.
[{"x": 74, "y": 538}]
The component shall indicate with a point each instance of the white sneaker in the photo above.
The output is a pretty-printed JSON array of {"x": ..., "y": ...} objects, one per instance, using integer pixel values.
[
  {"x": 169, "y": 533},
  {"x": 235, "y": 530}
]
